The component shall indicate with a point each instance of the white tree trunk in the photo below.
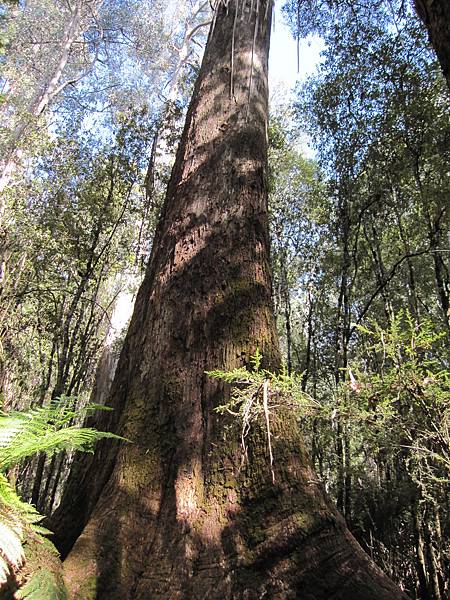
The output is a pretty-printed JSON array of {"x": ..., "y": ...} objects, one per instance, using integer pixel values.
[{"x": 50, "y": 88}]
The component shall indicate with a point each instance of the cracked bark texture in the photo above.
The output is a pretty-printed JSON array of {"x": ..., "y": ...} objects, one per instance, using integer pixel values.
[
  {"x": 435, "y": 15},
  {"x": 178, "y": 517}
]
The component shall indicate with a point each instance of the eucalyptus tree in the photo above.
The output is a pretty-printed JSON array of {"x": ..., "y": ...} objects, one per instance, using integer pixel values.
[
  {"x": 90, "y": 53},
  {"x": 49, "y": 50},
  {"x": 188, "y": 519},
  {"x": 68, "y": 244},
  {"x": 107, "y": 52},
  {"x": 188, "y": 42},
  {"x": 63, "y": 60},
  {"x": 187, "y": 38}
]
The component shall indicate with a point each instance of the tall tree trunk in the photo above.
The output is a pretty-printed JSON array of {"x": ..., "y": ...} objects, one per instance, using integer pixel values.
[
  {"x": 193, "y": 25},
  {"x": 342, "y": 338},
  {"x": 179, "y": 517},
  {"x": 435, "y": 15}
]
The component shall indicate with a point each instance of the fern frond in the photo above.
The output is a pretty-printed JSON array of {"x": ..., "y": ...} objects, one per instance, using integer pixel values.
[
  {"x": 16, "y": 518},
  {"x": 4, "y": 571},
  {"x": 42, "y": 584},
  {"x": 240, "y": 375},
  {"x": 49, "y": 430},
  {"x": 42, "y": 430},
  {"x": 39, "y": 529},
  {"x": 11, "y": 548}
]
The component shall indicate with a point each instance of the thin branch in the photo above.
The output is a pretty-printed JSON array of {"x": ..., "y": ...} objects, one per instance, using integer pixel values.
[{"x": 383, "y": 284}]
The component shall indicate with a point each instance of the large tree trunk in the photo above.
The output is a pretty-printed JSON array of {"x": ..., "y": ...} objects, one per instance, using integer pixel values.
[
  {"x": 435, "y": 15},
  {"x": 178, "y": 517}
]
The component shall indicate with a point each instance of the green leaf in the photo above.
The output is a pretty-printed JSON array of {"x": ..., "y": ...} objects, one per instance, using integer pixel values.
[
  {"x": 43, "y": 429},
  {"x": 43, "y": 584}
]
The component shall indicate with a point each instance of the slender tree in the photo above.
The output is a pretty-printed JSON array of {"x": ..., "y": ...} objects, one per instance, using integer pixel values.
[{"x": 180, "y": 516}]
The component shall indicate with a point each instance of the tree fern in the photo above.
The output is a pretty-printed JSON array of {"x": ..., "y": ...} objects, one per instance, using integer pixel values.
[
  {"x": 47, "y": 429},
  {"x": 44, "y": 429}
]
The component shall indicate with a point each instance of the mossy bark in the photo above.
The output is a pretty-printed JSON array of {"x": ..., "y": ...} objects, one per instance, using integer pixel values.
[
  {"x": 41, "y": 575},
  {"x": 179, "y": 518}
]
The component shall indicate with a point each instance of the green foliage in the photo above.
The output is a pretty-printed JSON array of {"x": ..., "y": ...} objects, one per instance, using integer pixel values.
[
  {"x": 246, "y": 399},
  {"x": 15, "y": 517},
  {"x": 66, "y": 249},
  {"x": 309, "y": 17},
  {"x": 49, "y": 430},
  {"x": 298, "y": 210},
  {"x": 42, "y": 585},
  {"x": 376, "y": 112},
  {"x": 402, "y": 401},
  {"x": 44, "y": 429},
  {"x": 383, "y": 437}
]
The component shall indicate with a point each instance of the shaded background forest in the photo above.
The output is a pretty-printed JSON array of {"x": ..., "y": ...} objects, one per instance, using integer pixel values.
[{"x": 92, "y": 98}]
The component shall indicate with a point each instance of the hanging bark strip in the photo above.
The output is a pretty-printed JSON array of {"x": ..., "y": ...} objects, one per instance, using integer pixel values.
[
  {"x": 269, "y": 435},
  {"x": 179, "y": 518}
]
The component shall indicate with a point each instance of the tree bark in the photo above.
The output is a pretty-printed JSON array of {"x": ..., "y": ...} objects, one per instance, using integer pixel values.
[
  {"x": 179, "y": 518},
  {"x": 435, "y": 15}
]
